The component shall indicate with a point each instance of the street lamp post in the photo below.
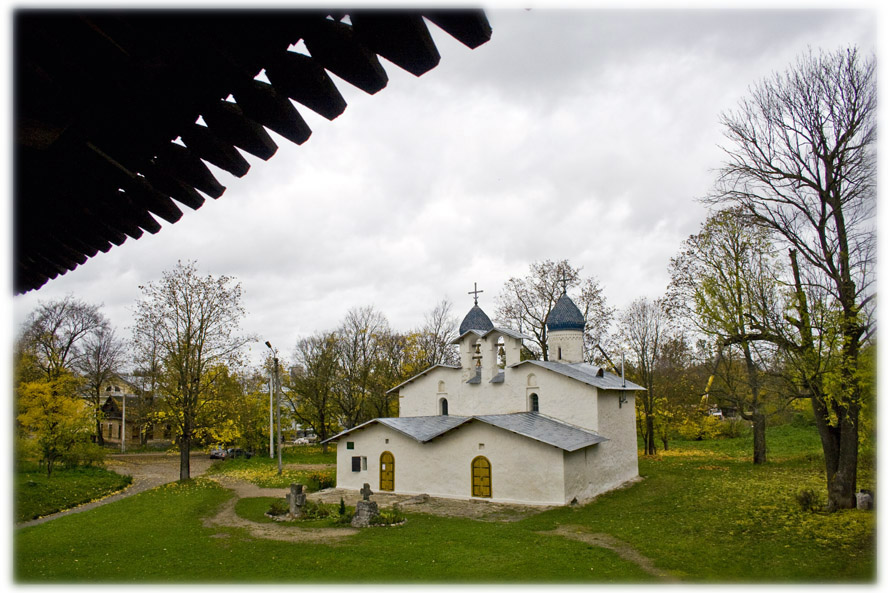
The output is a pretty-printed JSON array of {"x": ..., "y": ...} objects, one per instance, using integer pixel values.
[{"x": 277, "y": 402}]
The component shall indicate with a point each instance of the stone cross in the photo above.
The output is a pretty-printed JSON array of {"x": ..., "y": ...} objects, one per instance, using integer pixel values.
[{"x": 365, "y": 509}]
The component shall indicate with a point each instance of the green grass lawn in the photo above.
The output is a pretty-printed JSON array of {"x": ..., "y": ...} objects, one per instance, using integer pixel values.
[
  {"x": 702, "y": 513},
  {"x": 35, "y": 495}
]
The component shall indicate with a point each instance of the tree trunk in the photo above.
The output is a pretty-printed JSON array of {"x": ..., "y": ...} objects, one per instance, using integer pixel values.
[
  {"x": 840, "y": 442},
  {"x": 650, "y": 435},
  {"x": 759, "y": 438},
  {"x": 100, "y": 439},
  {"x": 185, "y": 445}
]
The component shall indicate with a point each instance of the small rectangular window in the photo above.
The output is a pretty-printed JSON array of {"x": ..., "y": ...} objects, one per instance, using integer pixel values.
[
  {"x": 350, "y": 445},
  {"x": 364, "y": 463},
  {"x": 356, "y": 464}
]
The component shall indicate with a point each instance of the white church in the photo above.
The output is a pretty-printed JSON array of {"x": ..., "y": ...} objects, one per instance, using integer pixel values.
[{"x": 501, "y": 429}]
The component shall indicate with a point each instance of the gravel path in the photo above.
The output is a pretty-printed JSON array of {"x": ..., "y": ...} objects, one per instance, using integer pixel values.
[{"x": 148, "y": 470}]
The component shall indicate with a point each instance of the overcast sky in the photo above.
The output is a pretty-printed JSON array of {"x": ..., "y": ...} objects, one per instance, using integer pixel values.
[{"x": 582, "y": 134}]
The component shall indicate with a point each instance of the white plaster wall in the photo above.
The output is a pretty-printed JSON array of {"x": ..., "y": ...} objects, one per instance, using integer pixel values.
[
  {"x": 558, "y": 396},
  {"x": 523, "y": 470},
  {"x": 602, "y": 467},
  {"x": 571, "y": 343}
]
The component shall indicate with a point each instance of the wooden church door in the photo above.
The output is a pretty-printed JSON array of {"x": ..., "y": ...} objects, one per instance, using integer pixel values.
[
  {"x": 387, "y": 471},
  {"x": 481, "y": 477}
]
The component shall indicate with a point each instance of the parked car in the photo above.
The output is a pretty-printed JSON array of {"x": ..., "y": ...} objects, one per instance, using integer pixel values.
[
  {"x": 217, "y": 453},
  {"x": 235, "y": 453}
]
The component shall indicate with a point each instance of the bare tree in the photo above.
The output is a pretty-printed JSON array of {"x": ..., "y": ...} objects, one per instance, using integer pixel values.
[
  {"x": 147, "y": 357},
  {"x": 525, "y": 303},
  {"x": 195, "y": 321},
  {"x": 53, "y": 332},
  {"x": 801, "y": 161},
  {"x": 102, "y": 359},
  {"x": 643, "y": 331},
  {"x": 437, "y": 334}
]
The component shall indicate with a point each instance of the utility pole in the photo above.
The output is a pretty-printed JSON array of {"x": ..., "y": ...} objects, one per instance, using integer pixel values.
[
  {"x": 271, "y": 417},
  {"x": 124, "y": 423},
  {"x": 277, "y": 401}
]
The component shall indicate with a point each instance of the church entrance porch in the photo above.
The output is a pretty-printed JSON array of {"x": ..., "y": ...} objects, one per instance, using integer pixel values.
[{"x": 387, "y": 471}]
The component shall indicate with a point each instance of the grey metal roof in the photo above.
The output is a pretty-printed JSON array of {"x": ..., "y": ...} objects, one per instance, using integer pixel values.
[
  {"x": 586, "y": 373},
  {"x": 532, "y": 425},
  {"x": 499, "y": 378},
  {"x": 420, "y": 428},
  {"x": 424, "y": 428},
  {"x": 565, "y": 315},
  {"x": 475, "y": 319},
  {"x": 545, "y": 429}
]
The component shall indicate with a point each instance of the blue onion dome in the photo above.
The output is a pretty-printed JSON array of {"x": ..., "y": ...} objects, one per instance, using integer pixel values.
[
  {"x": 476, "y": 319},
  {"x": 565, "y": 315}
]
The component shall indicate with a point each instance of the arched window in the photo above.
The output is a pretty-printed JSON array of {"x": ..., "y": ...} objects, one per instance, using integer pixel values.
[
  {"x": 533, "y": 402},
  {"x": 443, "y": 406},
  {"x": 532, "y": 380},
  {"x": 559, "y": 353},
  {"x": 441, "y": 386}
]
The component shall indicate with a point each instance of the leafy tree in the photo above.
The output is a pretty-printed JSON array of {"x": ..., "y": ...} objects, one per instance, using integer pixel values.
[
  {"x": 194, "y": 321},
  {"x": 680, "y": 386},
  {"x": 801, "y": 161},
  {"x": 53, "y": 333},
  {"x": 54, "y": 417},
  {"x": 102, "y": 358},
  {"x": 390, "y": 369},
  {"x": 236, "y": 411},
  {"x": 359, "y": 336},
  {"x": 313, "y": 383},
  {"x": 723, "y": 281},
  {"x": 525, "y": 303}
]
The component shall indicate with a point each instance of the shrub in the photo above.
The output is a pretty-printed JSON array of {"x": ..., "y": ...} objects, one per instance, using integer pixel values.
[
  {"x": 808, "y": 500},
  {"x": 84, "y": 453},
  {"x": 342, "y": 509},
  {"x": 317, "y": 510},
  {"x": 390, "y": 516},
  {"x": 279, "y": 507},
  {"x": 320, "y": 480}
]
